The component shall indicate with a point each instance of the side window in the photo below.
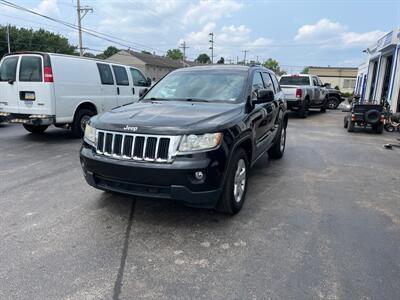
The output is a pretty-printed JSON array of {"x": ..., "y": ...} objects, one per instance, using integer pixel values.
[
  {"x": 315, "y": 81},
  {"x": 256, "y": 85},
  {"x": 268, "y": 81},
  {"x": 319, "y": 81},
  {"x": 105, "y": 74},
  {"x": 276, "y": 83},
  {"x": 121, "y": 77},
  {"x": 30, "y": 69},
  {"x": 8, "y": 69},
  {"x": 138, "y": 78}
]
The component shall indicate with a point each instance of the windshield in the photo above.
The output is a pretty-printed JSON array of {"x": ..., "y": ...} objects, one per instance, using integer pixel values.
[
  {"x": 205, "y": 85},
  {"x": 295, "y": 80}
]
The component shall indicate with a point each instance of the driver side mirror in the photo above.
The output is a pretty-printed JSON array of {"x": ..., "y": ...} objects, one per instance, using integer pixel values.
[
  {"x": 327, "y": 85},
  {"x": 148, "y": 81},
  {"x": 264, "y": 96}
]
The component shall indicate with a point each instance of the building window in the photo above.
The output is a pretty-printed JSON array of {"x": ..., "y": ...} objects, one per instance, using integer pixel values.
[{"x": 349, "y": 83}]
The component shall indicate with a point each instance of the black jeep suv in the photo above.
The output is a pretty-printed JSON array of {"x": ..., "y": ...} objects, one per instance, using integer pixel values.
[
  {"x": 366, "y": 115},
  {"x": 192, "y": 137}
]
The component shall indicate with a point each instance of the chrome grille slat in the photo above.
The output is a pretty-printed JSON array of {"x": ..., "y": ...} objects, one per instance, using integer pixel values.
[{"x": 138, "y": 147}]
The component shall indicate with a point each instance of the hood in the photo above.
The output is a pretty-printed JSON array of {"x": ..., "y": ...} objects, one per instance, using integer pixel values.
[{"x": 168, "y": 117}]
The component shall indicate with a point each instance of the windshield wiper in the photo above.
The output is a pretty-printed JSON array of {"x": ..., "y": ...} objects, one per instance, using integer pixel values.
[
  {"x": 156, "y": 99},
  {"x": 193, "y": 100}
]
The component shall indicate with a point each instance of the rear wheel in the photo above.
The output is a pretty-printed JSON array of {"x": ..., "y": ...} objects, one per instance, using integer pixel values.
[
  {"x": 35, "y": 128},
  {"x": 80, "y": 121},
  {"x": 303, "y": 111},
  {"x": 346, "y": 122},
  {"x": 350, "y": 127},
  {"x": 277, "y": 150},
  {"x": 323, "y": 109},
  {"x": 235, "y": 189}
]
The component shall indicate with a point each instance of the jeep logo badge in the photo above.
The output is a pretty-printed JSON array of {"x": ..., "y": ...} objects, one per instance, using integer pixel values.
[{"x": 130, "y": 128}]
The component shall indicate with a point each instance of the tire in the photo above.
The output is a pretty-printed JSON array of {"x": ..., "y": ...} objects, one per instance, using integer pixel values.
[
  {"x": 379, "y": 128},
  {"x": 332, "y": 103},
  {"x": 35, "y": 128},
  {"x": 350, "y": 127},
  {"x": 346, "y": 122},
  {"x": 230, "y": 203},
  {"x": 323, "y": 109},
  {"x": 277, "y": 150},
  {"x": 80, "y": 120},
  {"x": 303, "y": 111},
  {"x": 389, "y": 128},
  {"x": 372, "y": 116}
]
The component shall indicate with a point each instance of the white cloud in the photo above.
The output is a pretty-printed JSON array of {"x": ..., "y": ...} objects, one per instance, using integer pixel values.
[
  {"x": 210, "y": 11},
  {"x": 333, "y": 34},
  {"x": 48, "y": 7}
]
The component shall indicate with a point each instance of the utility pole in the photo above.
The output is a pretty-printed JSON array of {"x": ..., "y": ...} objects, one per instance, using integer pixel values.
[
  {"x": 237, "y": 60},
  {"x": 244, "y": 60},
  {"x": 8, "y": 38},
  {"x": 257, "y": 60},
  {"x": 82, "y": 11},
  {"x": 184, "y": 47},
  {"x": 211, "y": 34}
]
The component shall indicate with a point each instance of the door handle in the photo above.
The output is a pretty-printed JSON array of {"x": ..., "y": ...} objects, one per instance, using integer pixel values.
[
  {"x": 117, "y": 90},
  {"x": 133, "y": 91}
]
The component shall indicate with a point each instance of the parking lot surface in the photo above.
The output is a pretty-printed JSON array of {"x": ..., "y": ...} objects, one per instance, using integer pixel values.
[{"x": 322, "y": 223}]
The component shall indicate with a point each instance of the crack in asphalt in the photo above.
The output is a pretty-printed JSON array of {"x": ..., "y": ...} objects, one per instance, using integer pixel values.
[{"x": 120, "y": 275}]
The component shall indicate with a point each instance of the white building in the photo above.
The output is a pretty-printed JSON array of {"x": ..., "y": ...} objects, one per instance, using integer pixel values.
[{"x": 379, "y": 77}]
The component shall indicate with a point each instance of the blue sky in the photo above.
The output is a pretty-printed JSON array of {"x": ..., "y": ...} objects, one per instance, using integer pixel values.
[{"x": 296, "y": 33}]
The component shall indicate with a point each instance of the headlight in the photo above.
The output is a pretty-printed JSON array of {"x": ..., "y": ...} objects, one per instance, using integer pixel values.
[
  {"x": 194, "y": 143},
  {"x": 90, "y": 135}
]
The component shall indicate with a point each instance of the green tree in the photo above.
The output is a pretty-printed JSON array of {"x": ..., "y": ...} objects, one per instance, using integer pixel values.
[
  {"x": 34, "y": 40},
  {"x": 221, "y": 61},
  {"x": 305, "y": 70},
  {"x": 110, "y": 51},
  {"x": 88, "y": 54},
  {"x": 273, "y": 65},
  {"x": 175, "y": 54},
  {"x": 203, "y": 59},
  {"x": 146, "y": 52}
]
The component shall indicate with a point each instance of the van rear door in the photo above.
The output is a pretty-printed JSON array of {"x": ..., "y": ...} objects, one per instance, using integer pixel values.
[
  {"x": 35, "y": 85},
  {"x": 9, "y": 99}
]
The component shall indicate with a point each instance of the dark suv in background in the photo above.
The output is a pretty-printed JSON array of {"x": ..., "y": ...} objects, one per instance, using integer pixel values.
[{"x": 192, "y": 137}]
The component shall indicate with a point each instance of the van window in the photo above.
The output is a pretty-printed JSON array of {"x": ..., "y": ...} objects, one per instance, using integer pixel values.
[
  {"x": 30, "y": 69},
  {"x": 105, "y": 74},
  {"x": 138, "y": 78},
  {"x": 8, "y": 69},
  {"x": 120, "y": 75}
]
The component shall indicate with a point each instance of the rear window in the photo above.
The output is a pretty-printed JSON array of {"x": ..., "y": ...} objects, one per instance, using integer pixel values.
[
  {"x": 30, "y": 69},
  {"x": 121, "y": 76},
  {"x": 295, "y": 80},
  {"x": 8, "y": 69},
  {"x": 105, "y": 74}
]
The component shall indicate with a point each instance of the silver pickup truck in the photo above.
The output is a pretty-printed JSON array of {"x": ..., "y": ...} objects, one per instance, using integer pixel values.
[{"x": 303, "y": 92}]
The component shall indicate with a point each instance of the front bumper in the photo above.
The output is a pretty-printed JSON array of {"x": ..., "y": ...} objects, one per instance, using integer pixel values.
[
  {"x": 29, "y": 119},
  {"x": 174, "y": 180}
]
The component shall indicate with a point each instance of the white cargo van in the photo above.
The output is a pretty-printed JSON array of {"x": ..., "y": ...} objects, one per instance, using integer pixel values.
[{"x": 39, "y": 89}]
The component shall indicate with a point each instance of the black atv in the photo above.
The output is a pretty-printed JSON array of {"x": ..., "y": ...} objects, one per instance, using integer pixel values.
[{"x": 366, "y": 115}]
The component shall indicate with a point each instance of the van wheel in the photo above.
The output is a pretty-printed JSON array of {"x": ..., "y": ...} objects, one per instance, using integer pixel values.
[
  {"x": 235, "y": 189},
  {"x": 80, "y": 121},
  {"x": 35, "y": 128}
]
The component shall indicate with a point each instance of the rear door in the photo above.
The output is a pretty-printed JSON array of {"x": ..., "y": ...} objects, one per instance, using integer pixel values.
[
  {"x": 108, "y": 87},
  {"x": 9, "y": 101},
  {"x": 271, "y": 107},
  {"x": 35, "y": 95},
  {"x": 139, "y": 82},
  {"x": 125, "y": 93}
]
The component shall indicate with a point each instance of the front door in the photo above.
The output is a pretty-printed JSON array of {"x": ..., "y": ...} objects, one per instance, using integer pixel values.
[
  {"x": 9, "y": 100},
  {"x": 125, "y": 91},
  {"x": 139, "y": 82}
]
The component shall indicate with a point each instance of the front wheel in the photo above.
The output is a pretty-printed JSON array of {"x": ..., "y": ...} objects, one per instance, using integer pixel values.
[
  {"x": 235, "y": 189},
  {"x": 35, "y": 128},
  {"x": 389, "y": 128},
  {"x": 333, "y": 103},
  {"x": 350, "y": 127}
]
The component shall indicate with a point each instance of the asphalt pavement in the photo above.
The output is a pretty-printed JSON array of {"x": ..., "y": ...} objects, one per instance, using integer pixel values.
[{"x": 321, "y": 223}]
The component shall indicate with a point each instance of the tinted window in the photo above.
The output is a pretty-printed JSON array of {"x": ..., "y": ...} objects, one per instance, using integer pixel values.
[
  {"x": 315, "y": 81},
  {"x": 267, "y": 81},
  {"x": 138, "y": 78},
  {"x": 105, "y": 74},
  {"x": 8, "y": 69},
  {"x": 256, "y": 85},
  {"x": 276, "y": 83},
  {"x": 30, "y": 68},
  {"x": 121, "y": 77},
  {"x": 295, "y": 80},
  {"x": 210, "y": 85}
]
